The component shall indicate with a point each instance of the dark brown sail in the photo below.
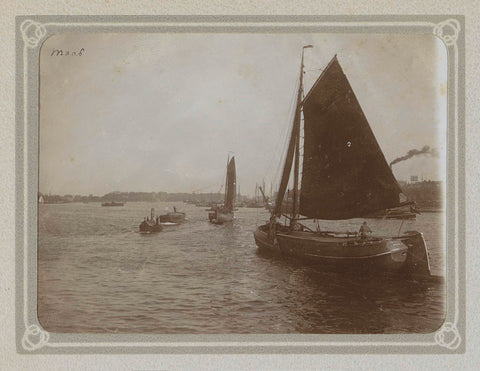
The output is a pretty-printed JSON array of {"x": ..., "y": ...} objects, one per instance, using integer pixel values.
[
  {"x": 345, "y": 174},
  {"x": 230, "y": 185}
]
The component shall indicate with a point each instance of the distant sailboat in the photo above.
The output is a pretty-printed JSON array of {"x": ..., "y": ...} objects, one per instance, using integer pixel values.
[
  {"x": 345, "y": 175},
  {"x": 223, "y": 214},
  {"x": 256, "y": 203}
]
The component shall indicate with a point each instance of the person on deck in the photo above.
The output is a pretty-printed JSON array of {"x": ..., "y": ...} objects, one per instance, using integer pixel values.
[
  {"x": 364, "y": 230},
  {"x": 413, "y": 208}
]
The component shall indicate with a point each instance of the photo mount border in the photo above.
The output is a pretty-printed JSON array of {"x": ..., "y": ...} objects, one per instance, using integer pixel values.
[{"x": 32, "y": 31}]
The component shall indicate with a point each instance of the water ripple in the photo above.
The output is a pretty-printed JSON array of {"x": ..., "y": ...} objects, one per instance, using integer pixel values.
[{"x": 97, "y": 274}]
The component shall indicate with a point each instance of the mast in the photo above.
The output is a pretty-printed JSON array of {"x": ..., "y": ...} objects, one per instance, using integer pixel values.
[
  {"x": 295, "y": 206},
  {"x": 291, "y": 147}
]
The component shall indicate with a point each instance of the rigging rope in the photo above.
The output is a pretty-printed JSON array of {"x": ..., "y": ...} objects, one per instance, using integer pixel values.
[{"x": 286, "y": 136}]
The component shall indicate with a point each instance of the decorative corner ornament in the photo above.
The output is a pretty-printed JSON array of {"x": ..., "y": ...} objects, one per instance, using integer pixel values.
[
  {"x": 32, "y": 33},
  {"x": 34, "y": 338},
  {"x": 447, "y": 31},
  {"x": 448, "y": 336}
]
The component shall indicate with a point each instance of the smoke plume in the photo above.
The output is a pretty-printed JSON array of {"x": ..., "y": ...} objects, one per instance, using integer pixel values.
[{"x": 426, "y": 150}]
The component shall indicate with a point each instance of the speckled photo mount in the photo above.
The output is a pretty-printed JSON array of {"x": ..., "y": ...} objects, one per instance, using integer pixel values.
[{"x": 31, "y": 338}]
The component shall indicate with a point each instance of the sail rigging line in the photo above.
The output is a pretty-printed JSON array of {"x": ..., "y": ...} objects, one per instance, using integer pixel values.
[
  {"x": 295, "y": 178},
  {"x": 314, "y": 69},
  {"x": 287, "y": 132},
  {"x": 283, "y": 136},
  {"x": 301, "y": 146},
  {"x": 287, "y": 168},
  {"x": 318, "y": 79},
  {"x": 291, "y": 147},
  {"x": 298, "y": 118}
]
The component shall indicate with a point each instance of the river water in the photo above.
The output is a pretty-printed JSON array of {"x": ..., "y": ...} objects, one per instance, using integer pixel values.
[{"x": 97, "y": 274}]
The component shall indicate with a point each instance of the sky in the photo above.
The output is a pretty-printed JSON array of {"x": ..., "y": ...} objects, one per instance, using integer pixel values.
[{"x": 161, "y": 112}]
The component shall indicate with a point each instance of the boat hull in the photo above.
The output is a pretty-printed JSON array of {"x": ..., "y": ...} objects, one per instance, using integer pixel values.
[
  {"x": 112, "y": 204},
  {"x": 146, "y": 227},
  {"x": 217, "y": 217},
  {"x": 176, "y": 217},
  {"x": 398, "y": 254}
]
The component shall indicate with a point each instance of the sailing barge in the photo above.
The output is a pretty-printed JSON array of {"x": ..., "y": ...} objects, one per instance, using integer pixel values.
[
  {"x": 344, "y": 176},
  {"x": 224, "y": 214}
]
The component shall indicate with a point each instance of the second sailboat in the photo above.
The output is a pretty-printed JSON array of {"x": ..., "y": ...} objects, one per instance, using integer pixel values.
[{"x": 223, "y": 214}]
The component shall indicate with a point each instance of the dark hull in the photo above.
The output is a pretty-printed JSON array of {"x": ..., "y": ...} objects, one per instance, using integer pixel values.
[
  {"x": 373, "y": 254},
  {"x": 146, "y": 227},
  {"x": 218, "y": 217},
  {"x": 172, "y": 218},
  {"x": 113, "y": 204}
]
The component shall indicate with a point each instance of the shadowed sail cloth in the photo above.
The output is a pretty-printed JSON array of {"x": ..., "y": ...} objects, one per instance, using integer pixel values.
[
  {"x": 345, "y": 174},
  {"x": 230, "y": 185}
]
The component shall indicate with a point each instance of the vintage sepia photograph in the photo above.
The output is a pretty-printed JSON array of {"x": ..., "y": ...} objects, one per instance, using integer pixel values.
[{"x": 242, "y": 183}]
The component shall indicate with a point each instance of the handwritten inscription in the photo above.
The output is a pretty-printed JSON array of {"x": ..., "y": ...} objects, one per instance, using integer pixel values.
[{"x": 67, "y": 53}]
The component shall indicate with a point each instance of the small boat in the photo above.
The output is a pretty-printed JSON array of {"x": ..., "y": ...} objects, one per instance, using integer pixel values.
[
  {"x": 150, "y": 224},
  {"x": 224, "y": 213},
  {"x": 344, "y": 176},
  {"x": 173, "y": 217},
  {"x": 112, "y": 203}
]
